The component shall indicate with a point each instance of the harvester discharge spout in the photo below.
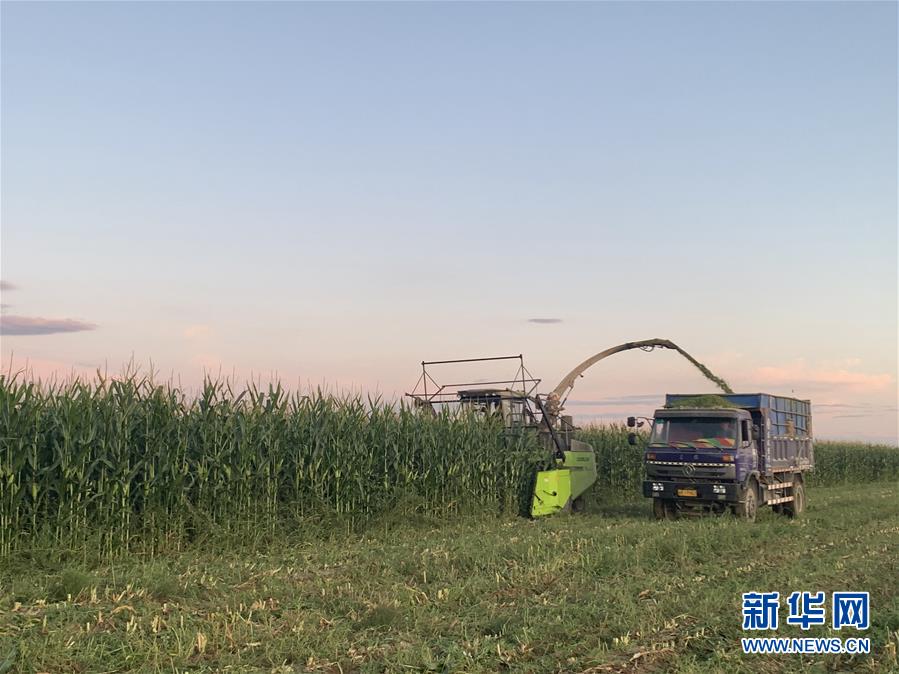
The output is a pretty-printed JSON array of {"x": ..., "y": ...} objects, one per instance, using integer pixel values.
[{"x": 563, "y": 487}]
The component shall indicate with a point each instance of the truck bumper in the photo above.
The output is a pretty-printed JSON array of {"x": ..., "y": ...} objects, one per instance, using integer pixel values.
[{"x": 727, "y": 492}]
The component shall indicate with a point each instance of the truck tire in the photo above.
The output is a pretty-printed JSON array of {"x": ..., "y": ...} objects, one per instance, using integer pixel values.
[
  {"x": 748, "y": 508},
  {"x": 663, "y": 509},
  {"x": 795, "y": 507}
]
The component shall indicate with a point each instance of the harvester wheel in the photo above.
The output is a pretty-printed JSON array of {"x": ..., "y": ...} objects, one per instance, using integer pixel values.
[
  {"x": 578, "y": 505},
  {"x": 663, "y": 509}
]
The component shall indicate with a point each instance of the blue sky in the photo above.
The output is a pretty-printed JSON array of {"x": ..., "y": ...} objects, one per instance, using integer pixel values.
[{"x": 333, "y": 192}]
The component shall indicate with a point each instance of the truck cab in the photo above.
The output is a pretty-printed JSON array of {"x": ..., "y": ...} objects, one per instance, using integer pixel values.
[{"x": 733, "y": 452}]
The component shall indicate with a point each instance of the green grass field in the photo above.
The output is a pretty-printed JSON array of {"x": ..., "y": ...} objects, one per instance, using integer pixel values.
[{"x": 606, "y": 591}]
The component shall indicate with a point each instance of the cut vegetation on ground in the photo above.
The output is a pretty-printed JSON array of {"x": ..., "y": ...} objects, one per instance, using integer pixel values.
[{"x": 606, "y": 591}]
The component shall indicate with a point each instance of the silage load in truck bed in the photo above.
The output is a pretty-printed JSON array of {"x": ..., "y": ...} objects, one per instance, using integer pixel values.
[{"x": 709, "y": 401}]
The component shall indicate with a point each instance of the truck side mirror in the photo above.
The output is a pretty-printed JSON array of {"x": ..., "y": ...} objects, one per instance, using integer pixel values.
[
  {"x": 632, "y": 438},
  {"x": 745, "y": 431},
  {"x": 631, "y": 422}
]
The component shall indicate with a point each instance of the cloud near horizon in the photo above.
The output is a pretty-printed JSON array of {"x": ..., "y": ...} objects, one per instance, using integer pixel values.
[
  {"x": 544, "y": 321},
  {"x": 28, "y": 325},
  {"x": 643, "y": 398},
  {"x": 6, "y": 285},
  {"x": 193, "y": 331},
  {"x": 801, "y": 375}
]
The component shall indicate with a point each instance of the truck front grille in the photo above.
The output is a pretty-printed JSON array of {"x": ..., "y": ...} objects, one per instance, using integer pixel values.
[{"x": 690, "y": 470}]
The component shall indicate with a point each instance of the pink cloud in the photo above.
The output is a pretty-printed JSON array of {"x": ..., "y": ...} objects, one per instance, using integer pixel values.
[
  {"x": 46, "y": 369},
  {"x": 194, "y": 331},
  {"x": 208, "y": 361},
  {"x": 800, "y": 375}
]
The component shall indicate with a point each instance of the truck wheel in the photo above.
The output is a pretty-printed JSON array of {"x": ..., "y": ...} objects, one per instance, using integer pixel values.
[
  {"x": 578, "y": 505},
  {"x": 748, "y": 508},
  {"x": 663, "y": 509},
  {"x": 796, "y": 507}
]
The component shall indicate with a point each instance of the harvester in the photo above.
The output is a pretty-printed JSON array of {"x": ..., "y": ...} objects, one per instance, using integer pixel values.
[{"x": 573, "y": 472}]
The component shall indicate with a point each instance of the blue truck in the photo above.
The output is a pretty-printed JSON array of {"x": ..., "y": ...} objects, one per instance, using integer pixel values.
[{"x": 736, "y": 451}]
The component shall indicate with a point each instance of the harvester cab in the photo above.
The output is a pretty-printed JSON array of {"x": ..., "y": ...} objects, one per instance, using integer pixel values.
[{"x": 512, "y": 405}]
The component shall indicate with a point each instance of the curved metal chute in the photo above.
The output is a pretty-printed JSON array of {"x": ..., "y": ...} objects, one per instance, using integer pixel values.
[{"x": 560, "y": 393}]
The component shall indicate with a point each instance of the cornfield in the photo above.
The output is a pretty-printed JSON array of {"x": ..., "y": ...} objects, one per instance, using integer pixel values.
[
  {"x": 140, "y": 462},
  {"x": 126, "y": 463},
  {"x": 845, "y": 462}
]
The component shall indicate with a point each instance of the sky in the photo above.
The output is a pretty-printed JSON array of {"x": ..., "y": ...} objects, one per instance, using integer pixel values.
[{"x": 331, "y": 193}]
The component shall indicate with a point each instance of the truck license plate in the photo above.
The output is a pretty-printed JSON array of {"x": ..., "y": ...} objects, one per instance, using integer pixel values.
[{"x": 686, "y": 492}]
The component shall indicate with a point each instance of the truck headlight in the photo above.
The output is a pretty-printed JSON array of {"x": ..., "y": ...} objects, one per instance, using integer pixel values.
[
  {"x": 658, "y": 486},
  {"x": 718, "y": 489}
]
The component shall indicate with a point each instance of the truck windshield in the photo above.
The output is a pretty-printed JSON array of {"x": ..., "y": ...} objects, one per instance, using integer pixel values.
[{"x": 699, "y": 432}]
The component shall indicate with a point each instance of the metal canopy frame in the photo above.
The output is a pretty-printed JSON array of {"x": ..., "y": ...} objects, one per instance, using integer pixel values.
[{"x": 428, "y": 391}]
